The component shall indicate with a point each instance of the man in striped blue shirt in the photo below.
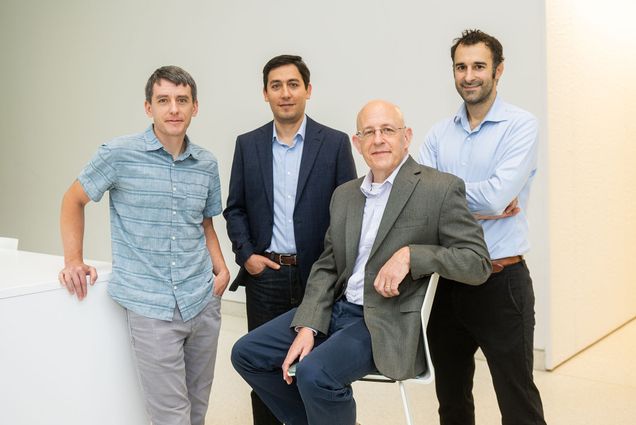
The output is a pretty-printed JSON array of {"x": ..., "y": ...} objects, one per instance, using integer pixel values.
[{"x": 168, "y": 268}]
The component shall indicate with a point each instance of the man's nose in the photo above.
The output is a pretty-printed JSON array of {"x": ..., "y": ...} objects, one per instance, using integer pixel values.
[{"x": 470, "y": 75}]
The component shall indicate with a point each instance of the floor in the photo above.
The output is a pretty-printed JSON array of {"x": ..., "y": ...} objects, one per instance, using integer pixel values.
[{"x": 597, "y": 387}]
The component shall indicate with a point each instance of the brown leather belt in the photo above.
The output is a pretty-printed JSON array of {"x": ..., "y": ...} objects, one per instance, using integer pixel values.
[
  {"x": 499, "y": 264},
  {"x": 282, "y": 259}
]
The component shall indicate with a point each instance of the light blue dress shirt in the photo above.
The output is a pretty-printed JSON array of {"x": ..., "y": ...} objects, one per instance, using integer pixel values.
[
  {"x": 497, "y": 160},
  {"x": 377, "y": 196},
  {"x": 286, "y": 166},
  {"x": 157, "y": 206}
]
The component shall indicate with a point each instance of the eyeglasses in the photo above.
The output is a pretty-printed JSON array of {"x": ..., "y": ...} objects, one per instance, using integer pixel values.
[{"x": 384, "y": 131}]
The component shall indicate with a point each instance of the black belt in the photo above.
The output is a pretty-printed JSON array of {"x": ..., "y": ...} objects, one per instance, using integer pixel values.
[{"x": 282, "y": 259}]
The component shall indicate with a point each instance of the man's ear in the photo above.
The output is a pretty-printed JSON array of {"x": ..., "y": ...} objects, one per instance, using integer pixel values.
[
  {"x": 195, "y": 108},
  {"x": 499, "y": 71},
  {"x": 356, "y": 143}
]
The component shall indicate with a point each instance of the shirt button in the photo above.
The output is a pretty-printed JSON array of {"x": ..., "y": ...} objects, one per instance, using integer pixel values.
[
  {"x": 174, "y": 212},
  {"x": 174, "y": 188},
  {"x": 173, "y": 238},
  {"x": 173, "y": 164},
  {"x": 174, "y": 287},
  {"x": 174, "y": 264}
]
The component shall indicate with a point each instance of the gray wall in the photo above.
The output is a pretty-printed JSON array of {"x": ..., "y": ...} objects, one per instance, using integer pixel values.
[{"x": 73, "y": 74}]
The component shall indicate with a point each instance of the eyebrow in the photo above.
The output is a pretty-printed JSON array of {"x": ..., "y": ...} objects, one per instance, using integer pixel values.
[
  {"x": 287, "y": 81},
  {"x": 474, "y": 63}
]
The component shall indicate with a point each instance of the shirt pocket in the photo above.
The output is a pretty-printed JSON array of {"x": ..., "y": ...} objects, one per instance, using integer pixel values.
[{"x": 196, "y": 197}]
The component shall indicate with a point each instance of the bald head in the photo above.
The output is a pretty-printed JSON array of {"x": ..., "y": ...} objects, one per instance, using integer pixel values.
[
  {"x": 382, "y": 138},
  {"x": 380, "y": 107}
]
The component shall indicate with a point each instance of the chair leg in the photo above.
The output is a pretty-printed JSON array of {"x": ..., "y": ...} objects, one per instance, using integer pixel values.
[{"x": 405, "y": 404}]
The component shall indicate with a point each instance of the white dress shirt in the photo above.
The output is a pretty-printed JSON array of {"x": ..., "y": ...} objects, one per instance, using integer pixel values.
[{"x": 377, "y": 195}]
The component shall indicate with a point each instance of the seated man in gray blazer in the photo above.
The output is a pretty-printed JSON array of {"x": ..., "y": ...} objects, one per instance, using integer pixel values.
[{"x": 388, "y": 231}]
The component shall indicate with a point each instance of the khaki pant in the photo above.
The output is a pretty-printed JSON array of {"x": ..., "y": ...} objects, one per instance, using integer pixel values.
[{"x": 175, "y": 362}]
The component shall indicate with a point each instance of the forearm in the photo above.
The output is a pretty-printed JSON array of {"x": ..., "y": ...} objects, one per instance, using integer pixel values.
[
  {"x": 72, "y": 225},
  {"x": 214, "y": 247}
]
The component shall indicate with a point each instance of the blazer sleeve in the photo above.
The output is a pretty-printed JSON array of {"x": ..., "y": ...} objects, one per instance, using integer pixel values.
[
  {"x": 315, "y": 309},
  {"x": 462, "y": 254},
  {"x": 235, "y": 213}
]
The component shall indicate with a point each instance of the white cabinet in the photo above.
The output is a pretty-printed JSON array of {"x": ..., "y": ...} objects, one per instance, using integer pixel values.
[{"x": 62, "y": 361}]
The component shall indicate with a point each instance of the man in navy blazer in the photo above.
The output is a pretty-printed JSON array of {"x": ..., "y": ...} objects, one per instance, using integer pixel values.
[{"x": 283, "y": 176}]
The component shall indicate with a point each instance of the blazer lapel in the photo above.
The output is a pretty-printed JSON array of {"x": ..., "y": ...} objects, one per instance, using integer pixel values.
[
  {"x": 311, "y": 146},
  {"x": 265, "y": 159},
  {"x": 403, "y": 187},
  {"x": 355, "y": 211}
]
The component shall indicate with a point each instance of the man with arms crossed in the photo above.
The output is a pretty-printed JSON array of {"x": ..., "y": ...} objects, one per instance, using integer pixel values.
[
  {"x": 388, "y": 232},
  {"x": 283, "y": 175},
  {"x": 492, "y": 146},
  {"x": 168, "y": 269}
]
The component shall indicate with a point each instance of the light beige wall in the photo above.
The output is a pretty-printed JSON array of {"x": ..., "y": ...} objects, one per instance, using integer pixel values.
[{"x": 592, "y": 172}]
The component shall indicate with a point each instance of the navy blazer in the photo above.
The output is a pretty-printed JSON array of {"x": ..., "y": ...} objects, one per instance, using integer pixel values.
[{"x": 326, "y": 163}]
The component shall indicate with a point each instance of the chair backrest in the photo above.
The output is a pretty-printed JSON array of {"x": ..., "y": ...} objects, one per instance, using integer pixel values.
[
  {"x": 8, "y": 243},
  {"x": 429, "y": 375}
]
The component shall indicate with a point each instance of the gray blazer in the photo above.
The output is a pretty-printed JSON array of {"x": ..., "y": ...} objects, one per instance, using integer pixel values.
[{"x": 426, "y": 210}]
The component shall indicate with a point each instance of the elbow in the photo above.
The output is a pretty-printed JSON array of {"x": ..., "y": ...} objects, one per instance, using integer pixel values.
[{"x": 482, "y": 272}]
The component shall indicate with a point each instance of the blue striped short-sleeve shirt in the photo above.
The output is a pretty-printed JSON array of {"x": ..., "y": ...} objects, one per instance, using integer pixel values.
[{"x": 157, "y": 205}]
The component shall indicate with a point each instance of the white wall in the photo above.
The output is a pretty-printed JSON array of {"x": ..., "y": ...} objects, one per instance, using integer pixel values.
[
  {"x": 592, "y": 152},
  {"x": 74, "y": 71}
]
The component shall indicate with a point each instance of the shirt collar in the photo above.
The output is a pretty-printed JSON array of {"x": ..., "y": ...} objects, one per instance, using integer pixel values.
[
  {"x": 153, "y": 144},
  {"x": 300, "y": 134},
  {"x": 496, "y": 113},
  {"x": 369, "y": 188}
]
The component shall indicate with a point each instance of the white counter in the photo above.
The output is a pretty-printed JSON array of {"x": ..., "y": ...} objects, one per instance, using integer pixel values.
[{"x": 62, "y": 361}]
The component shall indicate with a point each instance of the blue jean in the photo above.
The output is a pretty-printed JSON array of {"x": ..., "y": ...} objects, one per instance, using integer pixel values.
[
  {"x": 321, "y": 392},
  {"x": 267, "y": 296}
]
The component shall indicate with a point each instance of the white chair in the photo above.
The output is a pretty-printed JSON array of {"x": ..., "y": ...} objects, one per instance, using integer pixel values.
[
  {"x": 8, "y": 243},
  {"x": 429, "y": 375}
]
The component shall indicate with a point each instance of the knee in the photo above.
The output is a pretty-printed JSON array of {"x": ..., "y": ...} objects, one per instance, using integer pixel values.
[
  {"x": 239, "y": 355},
  {"x": 314, "y": 382}
]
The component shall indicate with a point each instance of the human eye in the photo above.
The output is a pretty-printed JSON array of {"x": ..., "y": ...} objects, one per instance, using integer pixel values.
[
  {"x": 460, "y": 67},
  {"x": 162, "y": 100},
  {"x": 183, "y": 100},
  {"x": 274, "y": 86},
  {"x": 388, "y": 131},
  {"x": 293, "y": 84},
  {"x": 369, "y": 132}
]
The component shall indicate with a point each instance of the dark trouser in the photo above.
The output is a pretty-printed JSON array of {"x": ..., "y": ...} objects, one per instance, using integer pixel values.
[
  {"x": 498, "y": 317},
  {"x": 321, "y": 393},
  {"x": 269, "y": 295}
]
